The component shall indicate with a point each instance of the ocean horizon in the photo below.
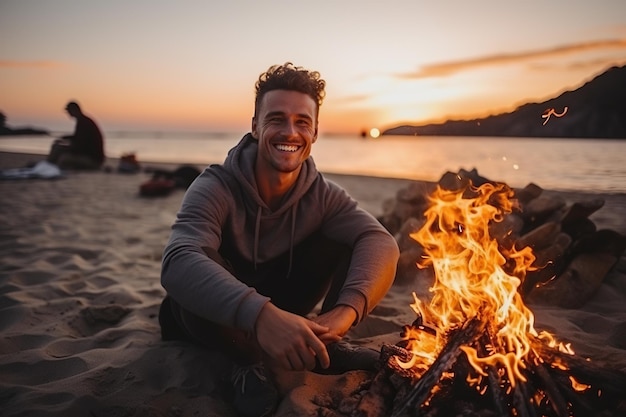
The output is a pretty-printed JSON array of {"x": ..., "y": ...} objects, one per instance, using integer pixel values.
[{"x": 590, "y": 165}]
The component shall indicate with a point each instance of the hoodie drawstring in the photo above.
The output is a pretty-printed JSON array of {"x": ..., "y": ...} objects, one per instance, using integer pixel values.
[
  {"x": 292, "y": 237},
  {"x": 257, "y": 228}
]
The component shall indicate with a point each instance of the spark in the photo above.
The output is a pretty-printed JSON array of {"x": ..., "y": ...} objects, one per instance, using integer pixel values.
[{"x": 552, "y": 112}]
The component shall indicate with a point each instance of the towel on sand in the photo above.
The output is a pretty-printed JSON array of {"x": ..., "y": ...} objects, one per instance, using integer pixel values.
[{"x": 42, "y": 169}]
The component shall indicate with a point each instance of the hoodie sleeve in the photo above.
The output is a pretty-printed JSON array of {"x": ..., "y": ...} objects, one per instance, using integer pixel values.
[
  {"x": 375, "y": 251},
  {"x": 189, "y": 276}
]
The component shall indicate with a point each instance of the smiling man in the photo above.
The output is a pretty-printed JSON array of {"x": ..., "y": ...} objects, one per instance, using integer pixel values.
[{"x": 262, "y": 239}]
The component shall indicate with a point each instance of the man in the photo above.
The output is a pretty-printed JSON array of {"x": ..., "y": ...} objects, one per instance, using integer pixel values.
[
  {"x": 260, "y": 240},
  {"x": 82, "y": 150}
]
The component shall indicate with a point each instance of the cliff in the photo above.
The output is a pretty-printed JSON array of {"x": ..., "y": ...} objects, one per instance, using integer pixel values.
[{"x": 595, "y": 110}]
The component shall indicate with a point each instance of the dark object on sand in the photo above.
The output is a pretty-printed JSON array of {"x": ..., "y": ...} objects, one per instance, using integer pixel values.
[
  {"x": 41, "y": 169},
  {"x": 128, "y": 164},
  {"x": 163, "y": 182}
]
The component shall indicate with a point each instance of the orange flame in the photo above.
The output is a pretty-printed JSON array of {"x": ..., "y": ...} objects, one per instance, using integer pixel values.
[{"x": 470, "y": 281}]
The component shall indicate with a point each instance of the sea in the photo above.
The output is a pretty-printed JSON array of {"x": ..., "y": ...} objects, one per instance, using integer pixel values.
[{"x": 590, "y": 165}]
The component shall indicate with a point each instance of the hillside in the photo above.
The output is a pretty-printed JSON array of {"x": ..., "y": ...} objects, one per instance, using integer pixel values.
[{"x": 595, "y": 110}]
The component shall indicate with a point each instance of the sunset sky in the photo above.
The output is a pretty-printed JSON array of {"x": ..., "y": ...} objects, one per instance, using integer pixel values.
[{"x": 191, "y": 65}]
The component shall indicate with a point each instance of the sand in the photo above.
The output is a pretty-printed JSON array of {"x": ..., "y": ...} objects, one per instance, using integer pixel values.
[{"x": 80, "y": 292}]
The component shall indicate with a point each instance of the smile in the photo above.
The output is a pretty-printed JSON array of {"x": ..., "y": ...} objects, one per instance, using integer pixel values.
[{"x": 287, "y": 148}]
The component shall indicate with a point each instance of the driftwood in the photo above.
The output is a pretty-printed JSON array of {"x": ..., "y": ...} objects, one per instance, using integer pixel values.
[{"x": 572, "y": 256}]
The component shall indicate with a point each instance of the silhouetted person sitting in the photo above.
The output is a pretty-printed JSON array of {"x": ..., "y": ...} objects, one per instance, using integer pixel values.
[
  {"x": 4, "y": 129},
  {"x": 82, "y": 150}
]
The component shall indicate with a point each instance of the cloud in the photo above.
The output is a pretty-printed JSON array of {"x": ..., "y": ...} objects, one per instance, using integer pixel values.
[
  {"x": 577, "y": 65},
  {"x": 452, "y": 67},
  {"x": 30, "y": 64},
  {"x": 357, "y": 98}
]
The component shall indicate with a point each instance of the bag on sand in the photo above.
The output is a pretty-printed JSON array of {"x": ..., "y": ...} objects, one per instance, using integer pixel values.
[
  {"x": 128, "y": 164},
  {"x": 164, "y": 182}
]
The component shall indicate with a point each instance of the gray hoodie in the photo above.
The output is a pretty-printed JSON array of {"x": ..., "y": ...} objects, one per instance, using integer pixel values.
[{"x": 223, "y": 204}]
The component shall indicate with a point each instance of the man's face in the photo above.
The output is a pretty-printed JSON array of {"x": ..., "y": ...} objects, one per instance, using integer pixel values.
[
  {"x": 70, "y": 111},
  {"x": 285, "y": 126}
]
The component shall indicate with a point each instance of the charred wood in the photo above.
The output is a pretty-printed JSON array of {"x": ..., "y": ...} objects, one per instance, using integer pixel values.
[
  {"x": 500, "y": 401},
  {"x": 523, "y": 402},
  {"x": 553, "y": 392},
  {"x": 423, "y": 388},
  {"x": 606, "y": 386}
]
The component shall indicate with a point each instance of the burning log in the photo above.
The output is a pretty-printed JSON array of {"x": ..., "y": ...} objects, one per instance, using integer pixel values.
[
  {"x": 521, "y": 402},
  {"x": 547, "y": 391},
  {"x": 495, "y": 384},
  {"x": 551, "y": 390},
  {"x": 611, "y": 383},
  {"x": 423, "y": 388},
  {"x": 498, "y": 394}
]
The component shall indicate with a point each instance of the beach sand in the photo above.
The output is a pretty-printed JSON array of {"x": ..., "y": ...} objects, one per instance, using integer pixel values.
[{"x": 80, "y": 293}]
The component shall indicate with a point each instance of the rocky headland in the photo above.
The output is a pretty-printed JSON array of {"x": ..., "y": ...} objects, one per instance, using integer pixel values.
[{"x": 594, "y": 110}]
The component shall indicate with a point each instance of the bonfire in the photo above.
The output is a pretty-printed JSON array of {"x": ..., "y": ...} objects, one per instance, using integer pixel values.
[{"x": 473, "y": 348}]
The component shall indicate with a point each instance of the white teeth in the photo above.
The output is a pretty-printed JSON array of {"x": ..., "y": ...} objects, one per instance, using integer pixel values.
[{"x": 287, "y": 148}]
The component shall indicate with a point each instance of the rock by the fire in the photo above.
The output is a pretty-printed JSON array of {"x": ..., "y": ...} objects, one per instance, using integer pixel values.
[
  {"x": 565, "y": 242},
  {"x": 577, "y": 283}
]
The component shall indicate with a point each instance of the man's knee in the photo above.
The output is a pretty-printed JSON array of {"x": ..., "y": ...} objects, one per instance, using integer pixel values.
[{"x": 170, "y": 329}]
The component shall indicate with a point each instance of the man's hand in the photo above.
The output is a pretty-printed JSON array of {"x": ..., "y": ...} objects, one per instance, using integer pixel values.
[
  {"x": 338, "y": 320},
  {"x": 293, "y": 342}
]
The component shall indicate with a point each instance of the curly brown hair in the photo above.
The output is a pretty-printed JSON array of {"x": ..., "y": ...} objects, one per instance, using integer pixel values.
[{"x": 290, "y": 77}]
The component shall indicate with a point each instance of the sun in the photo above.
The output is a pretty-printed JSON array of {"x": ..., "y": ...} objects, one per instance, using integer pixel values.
[{"x": 374, "y": 133}]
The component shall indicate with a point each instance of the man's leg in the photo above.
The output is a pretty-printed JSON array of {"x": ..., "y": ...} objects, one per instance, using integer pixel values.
[
  {"x": 179, "y": 324},
  {"x": 295, "y": 282},
  {"x": 57, "y": 150},
  {"x": 317, "y": 269},
  {"x": 75, "y": 161},
  {"x": 254, "y": 392},
  {"x": 329, "y": 261}
]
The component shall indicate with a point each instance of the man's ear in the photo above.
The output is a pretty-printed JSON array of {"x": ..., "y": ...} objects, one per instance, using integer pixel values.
[
  {"x": 315, "y": 135},
  {"x": 255, "y": 136}
]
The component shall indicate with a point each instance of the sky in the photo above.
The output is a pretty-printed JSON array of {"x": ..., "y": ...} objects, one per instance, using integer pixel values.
[{"x": 191, "y": 65}]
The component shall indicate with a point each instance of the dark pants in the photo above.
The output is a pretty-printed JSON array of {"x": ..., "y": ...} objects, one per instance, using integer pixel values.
[
  {"x": 318, "y": 269},
  {"x": 62, "y": 155}
]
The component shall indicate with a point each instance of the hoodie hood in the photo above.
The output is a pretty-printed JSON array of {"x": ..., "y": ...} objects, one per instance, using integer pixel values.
[{"x": 240, "y": 163}]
